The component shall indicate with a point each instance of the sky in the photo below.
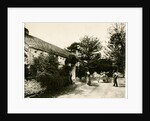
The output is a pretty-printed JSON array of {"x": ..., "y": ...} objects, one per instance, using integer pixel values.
[{"x": 64, "y": 34}]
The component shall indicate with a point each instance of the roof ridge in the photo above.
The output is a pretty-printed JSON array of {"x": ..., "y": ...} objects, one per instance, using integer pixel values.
[{"x": 38, "y": 43}]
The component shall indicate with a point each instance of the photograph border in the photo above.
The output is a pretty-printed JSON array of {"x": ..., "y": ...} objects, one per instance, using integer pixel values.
[{"x": 14, "y": 11}]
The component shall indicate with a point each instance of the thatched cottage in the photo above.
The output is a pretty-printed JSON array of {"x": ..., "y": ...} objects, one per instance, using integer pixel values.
[{"x": 35, "y": 46}]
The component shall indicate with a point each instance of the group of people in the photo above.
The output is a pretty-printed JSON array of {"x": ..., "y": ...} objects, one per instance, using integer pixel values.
[{"x": 115, "y": 76}]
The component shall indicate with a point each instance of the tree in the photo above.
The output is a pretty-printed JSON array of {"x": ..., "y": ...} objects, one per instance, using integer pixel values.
[
  {"x": 87, "y": 50},
  {"x": 117, "y": 45},
  {"x": 88, "y": 46},
  {"x": 73, "y": 47}
]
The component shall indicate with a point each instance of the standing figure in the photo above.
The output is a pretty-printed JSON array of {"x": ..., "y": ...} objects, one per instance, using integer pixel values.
[
  {"x": 115, "y": 76},
  {"x": 88, "y": 78}
]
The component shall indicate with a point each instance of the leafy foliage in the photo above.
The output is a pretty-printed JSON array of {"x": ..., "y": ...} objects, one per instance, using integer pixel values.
[
  {"x": 52, "y": 81},
  {"x": 45, "y": 70},
  {"x": 88, "y": 46},
  {"x": 86, "y": 50},
  {"x": 73, "y": 47},
  {"x": 81, "y": 70},
  {"x": 72, "y": 59},
  {"x": 27, "y": 72},
  {"x": 102, "y": 65},
  {"x": 32, "y": 87},
  {"x": 117, "y": 45}
]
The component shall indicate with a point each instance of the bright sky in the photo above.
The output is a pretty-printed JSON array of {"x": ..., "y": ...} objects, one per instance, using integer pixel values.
[{"x": 64, "y": 34}]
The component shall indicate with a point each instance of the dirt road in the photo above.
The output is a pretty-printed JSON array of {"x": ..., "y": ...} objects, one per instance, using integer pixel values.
[{"x": 100, "y": 90}]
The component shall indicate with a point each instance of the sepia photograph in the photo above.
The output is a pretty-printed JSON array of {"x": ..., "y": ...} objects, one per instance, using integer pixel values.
[{"x": 75, "y": 60}]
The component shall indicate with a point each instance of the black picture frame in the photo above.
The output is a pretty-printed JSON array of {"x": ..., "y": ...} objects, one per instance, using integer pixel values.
[{"x": 33, "y": 3}]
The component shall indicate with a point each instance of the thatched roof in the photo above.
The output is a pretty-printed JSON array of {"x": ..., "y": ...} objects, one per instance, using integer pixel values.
[{"x": 39, "y": 44}]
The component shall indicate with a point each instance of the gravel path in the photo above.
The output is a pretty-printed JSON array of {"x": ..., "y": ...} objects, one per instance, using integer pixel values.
[{"x": 100, "y": 90}]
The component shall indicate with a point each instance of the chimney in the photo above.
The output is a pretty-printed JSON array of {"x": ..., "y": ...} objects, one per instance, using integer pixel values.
[{"x": 26, "y": 31}]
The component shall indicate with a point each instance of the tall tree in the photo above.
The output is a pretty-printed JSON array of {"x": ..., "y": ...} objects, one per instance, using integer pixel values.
[
  {"x": 87, "y": 50},
  {"x": 117, "y": 45}
]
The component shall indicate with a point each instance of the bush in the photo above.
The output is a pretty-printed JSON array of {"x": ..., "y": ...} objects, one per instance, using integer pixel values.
[
  {"x": 64, "y": 71},
  {"x": 33, "y": 71},
  {"x": 72, "y": 59},
  {"x": 27, "y": 73},
  {"x": 45, "y": 70},
  {"x": 81, "y": 71},
  {"x": 52, "y": 81},
  {"x": 32, "y": 87}
]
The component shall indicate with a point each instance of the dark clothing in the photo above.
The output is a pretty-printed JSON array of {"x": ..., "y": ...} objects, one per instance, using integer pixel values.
[
  {"x": 89, "y": 81},
  {"x": 115, "y": 76},
  {"x": 115, "y": 82},
  {"x": 88, "y": 78}
]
